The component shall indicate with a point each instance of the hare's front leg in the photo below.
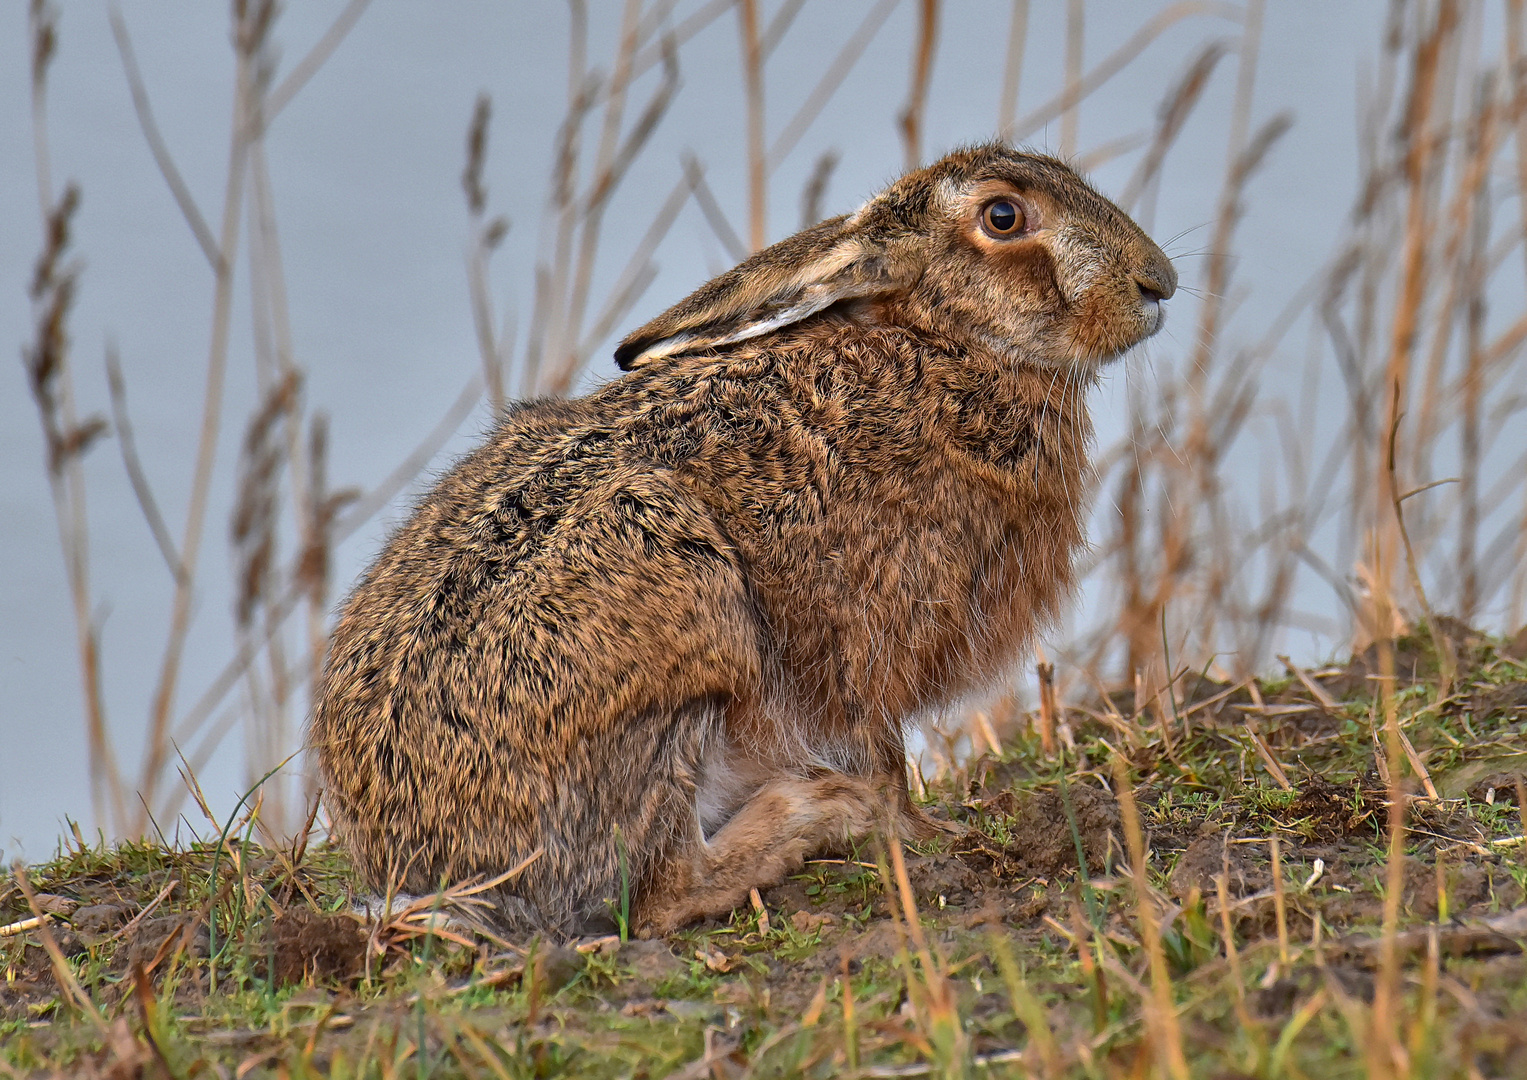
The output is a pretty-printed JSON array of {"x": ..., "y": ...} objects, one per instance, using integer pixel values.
[
  {"x": 771, "y": 836},
  {"x": 911, "y": 820}
]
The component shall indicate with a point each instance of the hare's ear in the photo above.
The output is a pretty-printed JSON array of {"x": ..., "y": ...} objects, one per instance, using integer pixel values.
[{"x": 779, "y": 285}]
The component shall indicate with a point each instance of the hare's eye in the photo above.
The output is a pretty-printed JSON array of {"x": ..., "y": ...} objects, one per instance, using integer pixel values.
[{"x": 1002, "y": 217}]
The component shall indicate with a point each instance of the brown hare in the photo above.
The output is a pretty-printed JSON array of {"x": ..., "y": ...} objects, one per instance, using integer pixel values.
[{"x": 669, "y": 635}]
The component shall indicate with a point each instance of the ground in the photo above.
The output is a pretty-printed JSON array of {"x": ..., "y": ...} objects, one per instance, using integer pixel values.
[{"x": 1265, "y": 953}]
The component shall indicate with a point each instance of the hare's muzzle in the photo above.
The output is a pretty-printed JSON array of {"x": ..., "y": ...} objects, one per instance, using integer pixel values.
[{"x": 1157, "y": 283}]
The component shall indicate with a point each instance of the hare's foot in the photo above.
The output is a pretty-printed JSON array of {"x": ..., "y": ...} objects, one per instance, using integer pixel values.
[
  {"x": 770, "y": 837},
  {"x": 918, "y": 825}
]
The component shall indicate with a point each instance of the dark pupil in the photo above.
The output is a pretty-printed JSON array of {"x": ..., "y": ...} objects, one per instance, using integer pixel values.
[{"x": 1003, "y": 216}]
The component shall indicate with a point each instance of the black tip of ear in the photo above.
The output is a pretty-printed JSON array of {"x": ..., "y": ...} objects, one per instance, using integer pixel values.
[{"x": 627, "y": 352}]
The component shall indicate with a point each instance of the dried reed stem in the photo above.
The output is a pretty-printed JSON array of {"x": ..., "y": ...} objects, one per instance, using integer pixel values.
[
  {"x": 136, "y": 476},
  {"x": 1517, "y": 65},
  {"x": 1070, "y": 117},
  {"x": 1476, "y": 276},
  {"x": 917, "y": 92},
  {"x": 1012, "y": 69},
  {"x": 1161, "y": 1013},
  {"x": 1048, "y": 707},
  {"x": 1172, "y": 115},
  {"x": 1419, "y": 149},
  {"x": 1383, "y": 1039},
  {"x": 157, "y": 750},
  {"x": 51, "y": 381},
  {"x": 815, "y": 188},
  {"x": 486, "y": 236},
  {"x": 1217, "y": 275},
  {"x": 828, "y": 84},
  {"x": 715, "y": 217},
  {"x": 1118, "y": 60},
  {"x": 62, "y": 972},
  {"x": 1280, "y": 898},
  {"x": 753, "y": 92},
  {"x": 156, "y": 143},
  {"x": 316, "y": 57}
]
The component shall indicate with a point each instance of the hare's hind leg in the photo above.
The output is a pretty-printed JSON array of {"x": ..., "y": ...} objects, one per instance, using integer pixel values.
[{"x": 770, "y": 836}]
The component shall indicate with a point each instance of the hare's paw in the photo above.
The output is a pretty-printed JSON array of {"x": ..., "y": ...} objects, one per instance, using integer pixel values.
[{"x": 919, "y": 826}]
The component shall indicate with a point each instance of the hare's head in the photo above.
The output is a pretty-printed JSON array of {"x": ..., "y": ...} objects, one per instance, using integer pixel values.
[{"x": 1013, "y": 251}]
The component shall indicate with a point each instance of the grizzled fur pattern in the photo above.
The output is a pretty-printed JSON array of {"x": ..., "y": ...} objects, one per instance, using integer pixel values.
[{"x": 692, "y": 612}]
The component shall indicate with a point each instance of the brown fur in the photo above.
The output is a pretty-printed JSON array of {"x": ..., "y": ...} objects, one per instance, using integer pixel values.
[{"x": 692, "y": 612}]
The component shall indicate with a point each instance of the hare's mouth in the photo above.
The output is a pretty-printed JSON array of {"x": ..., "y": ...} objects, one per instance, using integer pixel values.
[{"x": 1155, "y": 314}]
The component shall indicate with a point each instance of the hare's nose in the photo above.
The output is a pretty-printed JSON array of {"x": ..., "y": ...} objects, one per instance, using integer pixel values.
[{"x": 1158, "y": 280}]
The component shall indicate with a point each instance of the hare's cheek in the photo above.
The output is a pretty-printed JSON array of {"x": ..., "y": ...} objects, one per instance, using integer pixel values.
[{"x": 1031, "y": 274}]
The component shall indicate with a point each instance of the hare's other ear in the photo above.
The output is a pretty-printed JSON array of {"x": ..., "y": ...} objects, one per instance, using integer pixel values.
[{"x": 779, "y": 285}]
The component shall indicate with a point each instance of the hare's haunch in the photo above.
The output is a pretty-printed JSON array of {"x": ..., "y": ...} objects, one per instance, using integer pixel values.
[{"x": 682, "y": 621}]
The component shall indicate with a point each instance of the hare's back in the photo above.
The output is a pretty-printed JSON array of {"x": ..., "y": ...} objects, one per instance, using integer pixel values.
[{"x": 548, "y": 602}]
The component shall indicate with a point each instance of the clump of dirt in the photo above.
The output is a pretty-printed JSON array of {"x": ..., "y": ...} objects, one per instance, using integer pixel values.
[
  {"x": 1412, "y": 661},
  {"x": 653, "y": 962},
  {"x": 156, "y": 939},
  {"x": 1414, "y": 658},
  {"x": 1199, "y": 867},
  {"x": 946, "y": 880},
  {"x": 1333, "y": 811},
  {"x": 1466, "y": 883},
  {"x": 1509, "y": 699},
  {"x": 31, "y": 982},
  {"x": 1498, "y": 789},
  {"x": 1039, "y": 840},
  {"x": 98, "y": 920},
  {"x": 310, "y": 946}
]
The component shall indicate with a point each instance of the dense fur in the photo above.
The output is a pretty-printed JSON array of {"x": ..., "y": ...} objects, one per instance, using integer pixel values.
[{"x": 688, "y": 615}]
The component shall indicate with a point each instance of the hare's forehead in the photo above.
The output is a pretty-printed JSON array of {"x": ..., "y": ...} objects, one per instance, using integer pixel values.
[{"x": 957, "y": 187}]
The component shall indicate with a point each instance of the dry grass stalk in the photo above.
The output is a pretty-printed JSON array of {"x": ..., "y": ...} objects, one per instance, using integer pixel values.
[
  {"x": 1048, "y": 707},
  {"x": 827, "y": 85},
  {"x": 922, "y": 74},
  {"x": 1070, "y": 117},
  {"x": 66, "y": 437},
  {"x": 1161, "y": 1011},
  {"x": 753, "y": 89},
  {"x": 487, "y": 235},
  {"x": 1269, "y": 759},
  {"x": 1173, "y": 113},
  {"x": 715, "y": 217},
  {"x": 252, "y": 24},
  {"x": 761, "y": 911},
  {"x": 1418, "y": 159},
  {"x": 1383, "y": 1043},
  {"x": 815, "y": 189},
  {"x": 1238, "y": 166},
  {"x": 1012, "y": 68},
  {"x": 157, "y": 146},
  {"x": 137, "y": 477},
  {"x": 1232, "y": 954},
  {"x": 1315, "y": 690},
  {"x": 929, "y": 990},
  {"x": 1280, "y": 898},
  {"x": 1117, "y": 61},
  {"x": 62, "y": 972}
]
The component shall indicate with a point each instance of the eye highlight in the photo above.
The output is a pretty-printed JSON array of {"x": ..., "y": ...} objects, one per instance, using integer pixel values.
[{"x": 1002, "y": 218}]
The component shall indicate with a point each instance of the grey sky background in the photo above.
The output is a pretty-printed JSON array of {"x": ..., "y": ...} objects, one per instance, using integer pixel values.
[{"x": 366, "y": 166}]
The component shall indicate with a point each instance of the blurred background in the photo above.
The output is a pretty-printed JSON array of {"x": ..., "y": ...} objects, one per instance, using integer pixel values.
[{"x": 268, "y": 270}]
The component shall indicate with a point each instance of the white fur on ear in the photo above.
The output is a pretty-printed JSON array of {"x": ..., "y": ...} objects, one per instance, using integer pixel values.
[
  {"x": 758, "y": 328},
  {"x": 658, "y": 349},
  {"x": 791, "y": 281}
]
